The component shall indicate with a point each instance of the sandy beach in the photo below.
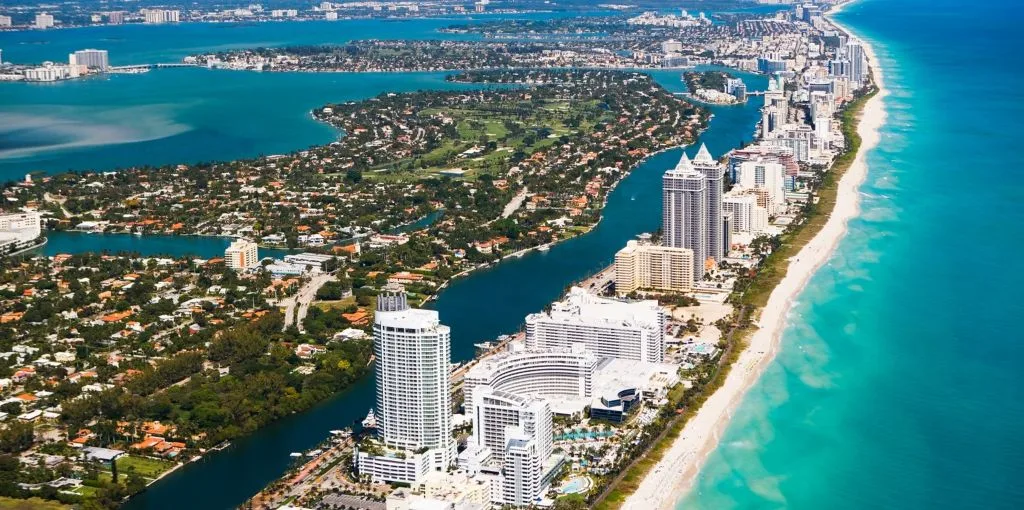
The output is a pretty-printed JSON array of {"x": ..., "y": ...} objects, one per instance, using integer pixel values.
[{"x": 674, "y": 475}]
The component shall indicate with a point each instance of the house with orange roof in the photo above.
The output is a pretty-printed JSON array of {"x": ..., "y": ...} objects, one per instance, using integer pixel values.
[
  {"x": 117, "y": 316},
  {"x": 358, "y": 317}
]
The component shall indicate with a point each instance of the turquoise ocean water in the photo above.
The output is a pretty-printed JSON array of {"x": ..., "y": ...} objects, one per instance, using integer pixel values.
[{"x": 898, "y": 384}]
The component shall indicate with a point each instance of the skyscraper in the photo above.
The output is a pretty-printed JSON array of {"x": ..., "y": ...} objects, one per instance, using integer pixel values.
[
  {"x": 713, "y": 174},
  {"x": 414, "y": 393},
  {"x": 684, "y": 217},
  {"x": 858, "y": 62}
]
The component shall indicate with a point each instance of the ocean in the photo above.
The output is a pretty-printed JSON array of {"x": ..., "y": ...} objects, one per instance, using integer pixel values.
[{"x": 898, "y": 383}]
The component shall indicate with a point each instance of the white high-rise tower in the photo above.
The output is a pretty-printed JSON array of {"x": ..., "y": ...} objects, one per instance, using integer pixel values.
[
  {"x": 414, "y": 392},
  {"x": 713, "y": 172},
  {"x": 684, "y": 212}
]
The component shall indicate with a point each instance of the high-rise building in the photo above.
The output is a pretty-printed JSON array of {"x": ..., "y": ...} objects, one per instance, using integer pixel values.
[
  {"x": 608, "y": 327},
  {"x": 747, "y": 216},
  {"x": 161, "y": 15},
  {"x": 684, "y": 216},
  {"x": 241, "y": 254},
  {"x": 44, "y": 20},
  {"x": 5, "y": 21},
  {"x": 494, "y": 412},
  {"x": 96, "y": 59},
  {"x": 714, "y": 173},
  {"x": 649, "y": 266},
  {"x": 764, "y": 175},
  {"x": 414, "y": 393},
  {"x": 115, "y": 17},
  {"x": 858, "y": 62},
  {"x": 522, "y": 475}
]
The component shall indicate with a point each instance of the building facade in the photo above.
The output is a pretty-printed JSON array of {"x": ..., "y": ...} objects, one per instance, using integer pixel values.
[
  {"x": 241, "y": 254},
  {"x": 555, "y": 373},
  {"x": 19, "y": 231},
  {"x": 608, "y": 327},
  {"x": 649, "y": 266},
  {"x": 714, "y": 173},
  {"x": 684, "y": 212},
  {"x": 414, "y": 392}
]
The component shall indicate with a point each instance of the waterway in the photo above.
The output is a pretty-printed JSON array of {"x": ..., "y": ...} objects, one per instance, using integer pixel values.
[{"x": 200, "y": 114}]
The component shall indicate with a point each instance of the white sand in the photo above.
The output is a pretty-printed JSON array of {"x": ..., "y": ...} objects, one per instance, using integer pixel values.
[{"x": 674, "y": 475}]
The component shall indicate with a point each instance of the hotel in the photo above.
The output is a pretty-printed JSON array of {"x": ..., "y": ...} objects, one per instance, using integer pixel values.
[
  {"x": 19, "y": 231},
  {"x": 608, "y": 327},
  {"x": 555, "y": 374}
]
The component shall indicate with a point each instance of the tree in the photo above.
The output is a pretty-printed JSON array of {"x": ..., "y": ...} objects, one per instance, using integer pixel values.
[{"x": 17, "y": 437}]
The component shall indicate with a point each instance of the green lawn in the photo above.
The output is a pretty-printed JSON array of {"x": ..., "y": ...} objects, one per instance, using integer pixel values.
[
  {"x": 30, "y": 504},
  {"x": 145, "y": 466}
]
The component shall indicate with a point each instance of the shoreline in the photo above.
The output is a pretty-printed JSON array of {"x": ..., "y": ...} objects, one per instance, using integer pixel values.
[{"x": 675, "y": 474}]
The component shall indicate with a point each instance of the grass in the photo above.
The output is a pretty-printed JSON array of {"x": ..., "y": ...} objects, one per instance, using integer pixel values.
[
  {"x": 144, "y": 466},
  {"x": 30, "y": 504},
  {"x": 771, "y": 273},
  {"x": 339, "y": 304}
]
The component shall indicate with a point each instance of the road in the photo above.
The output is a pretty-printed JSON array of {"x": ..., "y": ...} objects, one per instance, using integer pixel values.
[
  {"x": 515, "y": 203},
  {"x": 302, "y": 299}
]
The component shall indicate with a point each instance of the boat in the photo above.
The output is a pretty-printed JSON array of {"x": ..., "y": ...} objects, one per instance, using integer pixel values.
[
  {"x": 544, "y": 247},
  {"x": 295, "y": 454},
  {"x": 370, "y": 422}
]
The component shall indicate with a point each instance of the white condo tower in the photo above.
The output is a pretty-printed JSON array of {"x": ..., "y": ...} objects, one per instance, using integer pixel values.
[
  {"x": 714, "y": 172},
  {"x": 684, "y": 216},
  {"x": 414, "y": 393}
]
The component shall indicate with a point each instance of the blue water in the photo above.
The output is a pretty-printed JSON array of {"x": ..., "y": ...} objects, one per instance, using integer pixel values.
[
  {"x": 898, "y": 384},
  {"x": 149, "y": 245}
]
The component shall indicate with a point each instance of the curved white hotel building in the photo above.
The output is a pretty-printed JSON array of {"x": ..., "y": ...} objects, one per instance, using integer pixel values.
[
  {"x": 608, "y": 327},
  {"x": 554, "y": 373}
]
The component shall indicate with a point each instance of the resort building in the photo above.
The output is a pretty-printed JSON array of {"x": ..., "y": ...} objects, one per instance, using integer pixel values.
[
  {"x": 241, "y": 254},
  {"x": 555, "y": 374},
  {"x": 19, "y": 231},
  {"x": 414, "y": 393},
  {"x": 519, "y": 432},
  {"x": 495, "y": 411},
  {"x": 608, "y": 327},
  {"x": 684, "y": 212},
  {"x": 649, "y": 266}
]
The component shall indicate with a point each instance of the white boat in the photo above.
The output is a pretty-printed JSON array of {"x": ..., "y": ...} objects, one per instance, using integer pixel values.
[
  {"x": 544, "y": 247},
  {"x": 295, "y": 454},
  {"x": 370, "y": 422}
]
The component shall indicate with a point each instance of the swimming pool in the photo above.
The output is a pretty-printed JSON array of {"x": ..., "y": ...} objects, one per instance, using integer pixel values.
[{"x": 576, "y": 485}]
